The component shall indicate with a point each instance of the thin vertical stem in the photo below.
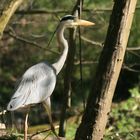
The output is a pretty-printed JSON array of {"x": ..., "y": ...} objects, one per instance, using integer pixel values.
[
  {"x": 67, "y": 76},
  {"x": 26, "y": 125},
  {"x": 80, "y": 52}
]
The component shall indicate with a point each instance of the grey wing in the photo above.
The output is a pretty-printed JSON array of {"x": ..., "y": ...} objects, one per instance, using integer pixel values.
[{"x": 36, "y": 85}]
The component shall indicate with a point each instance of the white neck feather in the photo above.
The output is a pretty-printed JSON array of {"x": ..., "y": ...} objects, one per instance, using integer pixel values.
[{"x": 63, "y": 42}]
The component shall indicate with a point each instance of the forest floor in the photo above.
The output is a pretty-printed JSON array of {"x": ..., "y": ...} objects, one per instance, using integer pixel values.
[{"x": 123, "y": 124}]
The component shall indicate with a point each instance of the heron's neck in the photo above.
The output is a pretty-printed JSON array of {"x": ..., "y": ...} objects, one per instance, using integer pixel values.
[{"x": 62, "y": 42}]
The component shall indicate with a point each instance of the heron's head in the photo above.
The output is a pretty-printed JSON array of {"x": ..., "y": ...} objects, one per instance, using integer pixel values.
[{"x": 70, "y": 21}]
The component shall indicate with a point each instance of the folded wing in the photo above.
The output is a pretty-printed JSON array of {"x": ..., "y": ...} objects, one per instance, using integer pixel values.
[{"x": 36, "y": 85}]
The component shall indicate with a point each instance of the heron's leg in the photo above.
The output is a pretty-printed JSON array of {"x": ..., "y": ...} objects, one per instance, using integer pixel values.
[
  {"x": 47, "y": 105},
  {"x": 26, "y": 125}
]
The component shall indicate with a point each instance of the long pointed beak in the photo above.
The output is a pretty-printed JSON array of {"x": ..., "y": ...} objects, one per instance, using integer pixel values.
[{"x": 80, "y": 22}]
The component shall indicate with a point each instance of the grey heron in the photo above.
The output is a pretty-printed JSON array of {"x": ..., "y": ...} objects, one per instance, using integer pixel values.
[{"x": 38, "y": 82}]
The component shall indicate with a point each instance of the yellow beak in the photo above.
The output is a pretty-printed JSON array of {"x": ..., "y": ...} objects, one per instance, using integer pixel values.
[{"x": 80, "y": 22}]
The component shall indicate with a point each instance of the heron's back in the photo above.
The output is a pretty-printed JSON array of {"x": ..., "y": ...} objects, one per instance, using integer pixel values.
[{"x": 36, "y": 85}]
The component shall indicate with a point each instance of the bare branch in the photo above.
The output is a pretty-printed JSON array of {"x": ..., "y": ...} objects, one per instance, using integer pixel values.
[
  {"x": 134, "y": 53},
  {"x": 39, "y": 132},
  {"x": 133, "y": 48},
  {"x": 60, "y": 11},
  {"x": 89, "y": 62},
  {"x": 43, "y": 131},
  {"x": 130, "y": 69},
  {"x": 41, "y": 11},
  {"x": 91, "y": 41},
  {"x": 14, "y": 35}
]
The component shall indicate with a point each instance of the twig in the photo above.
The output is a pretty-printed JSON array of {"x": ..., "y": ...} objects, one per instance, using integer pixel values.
[
  {"x": 100, "y": 44},
  {"x": 46, "y": 137},
  {"x": 131, "y": 67},
  {"x": 133, "y": 48},
  {"x": 43, "y": 131},
  {"x": 85, "y": 62},
  {"x": 14, "y": 35},
  {"x": 39, "y": 132},
  {"x": 38, "y": 11},
  {"x": 41, "y": 11},
  {"x": 91, "y": 41},
  {"x": 60, "y": 11},
  {"x": 134, "y": 53}
]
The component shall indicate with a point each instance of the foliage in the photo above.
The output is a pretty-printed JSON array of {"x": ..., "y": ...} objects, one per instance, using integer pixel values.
[
  {"x": 11, "y": 137},
  {"x": 124, "y": 119}
]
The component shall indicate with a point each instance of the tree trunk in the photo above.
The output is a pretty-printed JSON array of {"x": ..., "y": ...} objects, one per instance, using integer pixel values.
[
  {"x": 99, "y": 101},
  {"x": 8, "y": 11}
]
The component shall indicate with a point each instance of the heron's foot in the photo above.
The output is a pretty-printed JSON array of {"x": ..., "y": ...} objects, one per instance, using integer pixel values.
[{"x": 54, "y": 132}]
